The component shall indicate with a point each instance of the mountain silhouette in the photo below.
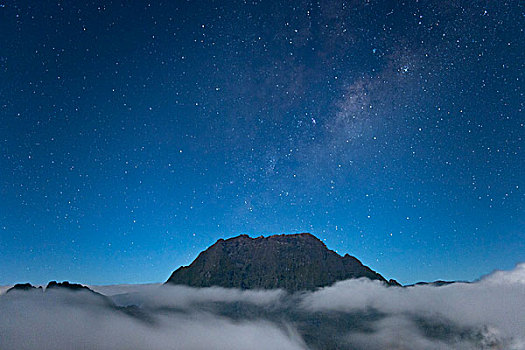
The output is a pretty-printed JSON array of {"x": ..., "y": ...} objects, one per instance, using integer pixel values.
[{"x": 293, "y": 262}]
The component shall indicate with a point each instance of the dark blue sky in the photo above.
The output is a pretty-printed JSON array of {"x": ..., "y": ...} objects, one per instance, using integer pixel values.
[{"x": 134, "y": 134}]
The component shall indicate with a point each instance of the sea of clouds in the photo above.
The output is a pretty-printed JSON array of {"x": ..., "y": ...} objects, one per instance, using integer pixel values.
[{"x": 177, "y": 317}]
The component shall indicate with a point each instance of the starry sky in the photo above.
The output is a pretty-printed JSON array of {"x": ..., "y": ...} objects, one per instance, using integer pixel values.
[{"x": 135, "y": 134}]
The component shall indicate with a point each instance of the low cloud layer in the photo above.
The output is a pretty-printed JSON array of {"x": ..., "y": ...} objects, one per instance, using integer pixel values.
[
  {"x": 353, "y": 314},
  {"x": 495, "y": 305},
  {"x": 80, "y": 320},
  {"x": 167, "y": 296},
  {"x": 110, "y": 290}
]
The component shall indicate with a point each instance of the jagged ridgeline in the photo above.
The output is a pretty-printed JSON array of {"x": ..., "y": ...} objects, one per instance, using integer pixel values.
[{"x": 292, "y": 262}]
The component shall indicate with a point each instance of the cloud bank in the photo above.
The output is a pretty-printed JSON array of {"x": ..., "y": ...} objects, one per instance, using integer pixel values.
[
  {"x": 495, "y": 306},
  {"x": 353, "y": 314},
  {"x": 81, "y": 320}
]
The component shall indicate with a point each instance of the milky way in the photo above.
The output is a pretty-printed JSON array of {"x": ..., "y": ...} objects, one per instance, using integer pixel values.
[{"x": 135, "y": 135}]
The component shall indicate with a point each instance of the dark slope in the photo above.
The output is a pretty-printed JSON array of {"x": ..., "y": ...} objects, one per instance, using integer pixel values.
[
  {"x": 25, "y": 287},
  {"x": 291, "y": 262}
]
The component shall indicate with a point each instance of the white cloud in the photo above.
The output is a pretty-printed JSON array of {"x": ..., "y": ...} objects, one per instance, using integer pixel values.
[
  {"x": 183, "y": 297},
  {"x": 110, "y": 290},
  {"x": 178, "y": 317},
  {"x": 79, "y": 320},
  {"x": 497, "y": 302},
  {"x": 515, "y": 276},
  {"x": 399, "y": 332}
]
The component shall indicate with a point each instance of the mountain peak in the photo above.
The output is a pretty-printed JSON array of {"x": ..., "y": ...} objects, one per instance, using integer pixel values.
[
  {"x": 67, "y": 286},
  {"x": 23, "y": 287},
  {"x": 305, "y": 236},
  {"x": 293, "y": 262}
]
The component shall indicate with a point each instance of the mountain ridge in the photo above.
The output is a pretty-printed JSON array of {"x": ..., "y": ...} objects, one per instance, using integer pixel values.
[{"x": 293, "y": 262}]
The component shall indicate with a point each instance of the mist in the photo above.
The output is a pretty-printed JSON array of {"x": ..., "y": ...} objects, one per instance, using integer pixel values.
[
  {"x": 80, "y": 320},
  {"x": 494, "y": 306},
  {"x": 352, "y": 314}
]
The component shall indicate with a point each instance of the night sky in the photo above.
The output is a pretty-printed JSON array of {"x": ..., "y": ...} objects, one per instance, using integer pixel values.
[{"x": 135, "y": 134}]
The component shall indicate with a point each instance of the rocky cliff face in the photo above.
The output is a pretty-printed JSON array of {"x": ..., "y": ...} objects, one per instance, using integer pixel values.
[{"x": 291, "y": 262}]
